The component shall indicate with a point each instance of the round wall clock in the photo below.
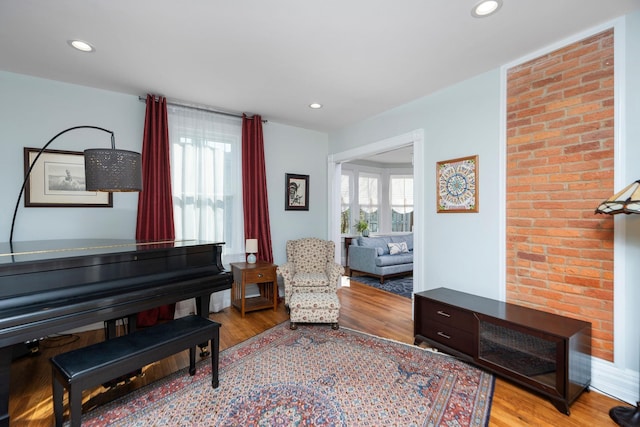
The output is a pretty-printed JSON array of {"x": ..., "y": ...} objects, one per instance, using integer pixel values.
[{"x": 457, "y": 185}]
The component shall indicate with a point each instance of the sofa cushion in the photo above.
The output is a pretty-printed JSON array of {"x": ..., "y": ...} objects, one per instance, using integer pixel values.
[
  {"x": 397, "y": 248},
  {"x": 387, "y": 260},
  {"x": 375, "y": 242},
  {"x": 408, "y": 238}
]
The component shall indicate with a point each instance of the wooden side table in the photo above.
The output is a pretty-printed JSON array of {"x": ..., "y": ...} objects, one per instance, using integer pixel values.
[
  {"x": 347, "y": 243},
  {"x": 261, "y": 273}
]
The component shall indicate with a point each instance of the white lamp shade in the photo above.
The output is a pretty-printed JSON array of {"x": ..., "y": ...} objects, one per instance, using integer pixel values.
[{"x": 251, "y": 246}]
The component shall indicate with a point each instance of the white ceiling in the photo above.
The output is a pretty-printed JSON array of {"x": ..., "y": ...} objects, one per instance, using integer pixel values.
[{"x": 357, "y": 57}]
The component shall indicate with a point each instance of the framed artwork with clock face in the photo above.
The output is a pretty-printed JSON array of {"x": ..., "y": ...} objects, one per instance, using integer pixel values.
[{"x": 457, "y": 184}]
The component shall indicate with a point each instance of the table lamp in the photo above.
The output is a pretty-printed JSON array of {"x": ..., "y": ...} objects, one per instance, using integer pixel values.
[{"x": 251, "y": 247}]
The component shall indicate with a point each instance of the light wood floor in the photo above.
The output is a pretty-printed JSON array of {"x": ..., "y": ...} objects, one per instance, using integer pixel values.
[{"x": 363, "y": 308}]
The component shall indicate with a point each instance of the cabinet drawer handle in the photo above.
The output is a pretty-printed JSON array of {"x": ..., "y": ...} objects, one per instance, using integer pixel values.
[
  {"x": 442, "y": 313},
  {"x": 443, "y": 335},
  {"x": 260, "y": 275}
]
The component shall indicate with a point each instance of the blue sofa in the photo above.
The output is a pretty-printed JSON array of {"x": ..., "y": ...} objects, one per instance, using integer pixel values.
[{"x": 374, "y": 256}]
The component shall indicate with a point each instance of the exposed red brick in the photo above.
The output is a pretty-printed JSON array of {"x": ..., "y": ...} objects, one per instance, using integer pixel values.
[{"x": 560, "y": 160}]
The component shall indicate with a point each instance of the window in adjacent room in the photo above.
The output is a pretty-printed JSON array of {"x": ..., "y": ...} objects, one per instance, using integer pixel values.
[
  {"x": 345, "y": 203},
  {"x": 401, "y": 200},
  {"x": 368, "y": 199}
]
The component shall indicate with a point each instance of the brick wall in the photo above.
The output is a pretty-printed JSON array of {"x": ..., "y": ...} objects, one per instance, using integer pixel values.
[{"x": 560, "y": 116}]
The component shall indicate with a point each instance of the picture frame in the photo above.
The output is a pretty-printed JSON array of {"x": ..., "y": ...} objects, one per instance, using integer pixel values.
[
  {"x": 57, "y": 180},
  {"x": 457, "y": 185},
  {"x": 296, "y": 191}
]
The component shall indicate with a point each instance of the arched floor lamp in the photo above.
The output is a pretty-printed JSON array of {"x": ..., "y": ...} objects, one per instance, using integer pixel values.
[
  {"x": 105, "y": 169},
  {"x": 627, "y": 202}
]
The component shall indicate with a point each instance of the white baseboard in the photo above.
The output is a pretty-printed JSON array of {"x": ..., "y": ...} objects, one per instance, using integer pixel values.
[{"x": 620, "y": 383}]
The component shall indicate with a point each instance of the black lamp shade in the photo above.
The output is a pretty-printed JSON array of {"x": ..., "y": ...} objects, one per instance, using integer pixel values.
[{"x": 112, "y": 170}]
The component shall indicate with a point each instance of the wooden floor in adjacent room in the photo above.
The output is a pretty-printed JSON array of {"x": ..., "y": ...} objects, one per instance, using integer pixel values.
[{"x": 363, "y": 308}]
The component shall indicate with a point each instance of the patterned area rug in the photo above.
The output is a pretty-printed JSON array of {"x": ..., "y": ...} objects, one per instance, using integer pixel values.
[
  {"x": 313, "y": 376},
  {"x": 402, "y": 286}
]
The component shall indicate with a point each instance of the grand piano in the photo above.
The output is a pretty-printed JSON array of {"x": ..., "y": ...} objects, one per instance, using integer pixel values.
[{"x": 48, "y": 287}]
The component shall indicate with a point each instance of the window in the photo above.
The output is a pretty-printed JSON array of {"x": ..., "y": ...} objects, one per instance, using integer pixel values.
[
  {"x": 206, "y": 177},
  {"x": 401, "y": 200},
  {"x": 345, "y": 203},
  {"x": 368, "y": 199}
]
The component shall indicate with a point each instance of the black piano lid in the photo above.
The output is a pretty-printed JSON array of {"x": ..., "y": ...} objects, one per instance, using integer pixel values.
[{"x": 47, "y": 250}]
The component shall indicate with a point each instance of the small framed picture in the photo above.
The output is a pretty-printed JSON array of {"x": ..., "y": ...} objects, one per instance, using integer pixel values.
[
  {"x": 457, "y": 185},
  {"x": 58, "y": 180},
  {"x": 296, "y": 192}
]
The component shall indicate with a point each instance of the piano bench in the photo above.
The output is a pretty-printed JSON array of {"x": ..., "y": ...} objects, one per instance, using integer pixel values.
[{"x": 90, "y": 366}]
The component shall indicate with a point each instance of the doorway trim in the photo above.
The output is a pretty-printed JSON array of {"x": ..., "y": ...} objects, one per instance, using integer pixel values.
[{"x": 415, "y": 138}]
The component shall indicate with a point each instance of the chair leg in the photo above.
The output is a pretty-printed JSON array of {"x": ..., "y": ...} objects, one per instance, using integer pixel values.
[
  {"x": 335, "y": 326},
  {"x": 293, "y": 326}
]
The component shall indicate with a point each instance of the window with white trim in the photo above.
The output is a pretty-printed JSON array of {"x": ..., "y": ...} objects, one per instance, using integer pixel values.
[
  {"x": 401, "y": 201},
  {"x": 345, "y": 202},
  {"x": 369, "y": 200}
]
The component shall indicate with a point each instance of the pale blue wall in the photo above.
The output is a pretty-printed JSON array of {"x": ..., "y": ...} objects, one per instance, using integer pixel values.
[
  {"x": 299, "y": 151},
  {"x": 33, "y": 110},
  {"x": 462, "y": 120}
]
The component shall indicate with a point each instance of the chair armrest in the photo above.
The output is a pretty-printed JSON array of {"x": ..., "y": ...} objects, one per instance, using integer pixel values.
[
  {"x": 334, "y": 271},
  {"x": 286, "y": 270}
]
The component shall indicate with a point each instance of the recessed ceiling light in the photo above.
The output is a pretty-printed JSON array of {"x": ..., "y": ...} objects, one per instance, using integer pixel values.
[
  {"x": 315, "y": 105},
  {"x": 80, "y": 45},
  {"x": 486, "y": 8}
]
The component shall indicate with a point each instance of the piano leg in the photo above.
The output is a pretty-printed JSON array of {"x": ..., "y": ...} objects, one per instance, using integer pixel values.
[
  {"x": 5, "y": 370},
  {"x": 202, "y": 308}
]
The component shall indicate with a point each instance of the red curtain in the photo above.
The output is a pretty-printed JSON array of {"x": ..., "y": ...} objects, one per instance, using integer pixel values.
[
  {"x": 155, "y": 205},
  {"x": 254, "y": 187}
]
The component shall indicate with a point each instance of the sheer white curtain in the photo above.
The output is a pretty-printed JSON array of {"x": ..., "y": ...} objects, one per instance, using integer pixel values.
[{"x": 206, "y": 175}]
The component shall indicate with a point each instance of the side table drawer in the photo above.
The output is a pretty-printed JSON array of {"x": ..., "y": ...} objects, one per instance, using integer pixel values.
[
  {"x": 260, "y": 276},
  {"x": 449, "y": 316},
  {"x": 451, "y": 337}
]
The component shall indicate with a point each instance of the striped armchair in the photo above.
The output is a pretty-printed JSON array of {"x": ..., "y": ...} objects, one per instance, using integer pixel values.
[{"x": 310, "y": 267}]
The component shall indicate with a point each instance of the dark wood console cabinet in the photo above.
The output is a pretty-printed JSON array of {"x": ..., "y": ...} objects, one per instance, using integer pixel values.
[{"x": 544, "y": 352}]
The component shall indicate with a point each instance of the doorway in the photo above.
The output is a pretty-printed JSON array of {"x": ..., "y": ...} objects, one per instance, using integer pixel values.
[{"x": 415, "y": 139}]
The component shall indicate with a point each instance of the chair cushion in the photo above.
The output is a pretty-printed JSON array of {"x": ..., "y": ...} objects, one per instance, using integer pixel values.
[
  {"x": 310, "y": 279},
  {"x": 314, "y": 308},
  {"x": 310, "y": 255},
  {"x": 313, "y": 300}
]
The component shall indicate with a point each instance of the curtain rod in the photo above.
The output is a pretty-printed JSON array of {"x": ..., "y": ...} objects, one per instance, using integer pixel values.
[{"x": 198, "y": 108}]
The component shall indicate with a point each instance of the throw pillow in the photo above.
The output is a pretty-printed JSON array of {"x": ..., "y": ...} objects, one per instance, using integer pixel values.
[{"x": 398, "y": 248}]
